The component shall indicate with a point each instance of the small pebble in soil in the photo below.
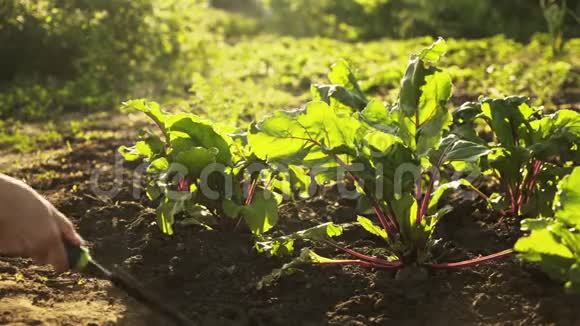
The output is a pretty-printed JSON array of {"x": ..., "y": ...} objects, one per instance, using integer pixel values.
[
  {"x": 379, "y": 304},
  {"x": 133, "y": 261},
  {"x": 174, "y": 260},
  {"x": 230, "y": 270}
]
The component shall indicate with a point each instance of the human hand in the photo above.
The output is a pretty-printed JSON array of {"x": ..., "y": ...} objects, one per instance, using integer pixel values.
[{"x": 32, "y": 227}]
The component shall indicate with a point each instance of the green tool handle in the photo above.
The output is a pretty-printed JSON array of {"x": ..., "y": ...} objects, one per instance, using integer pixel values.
[{"x": 78, "y": 257}]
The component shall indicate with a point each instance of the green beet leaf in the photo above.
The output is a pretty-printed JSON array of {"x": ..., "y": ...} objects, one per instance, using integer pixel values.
[
  {"x": 389, "y": 171},
  {"x": 296, "y": 137},
  {"x": 443, "y": 189},
  {"x": 541, "y": 198},
  {"x": 338, "y": 97},
  {"x": 196, "y": 159},
  {"x": 567, "y": 201},
  {"x": 422, "y": 103},
  {"x": 274, "y": 138},
  {"x": 563, "y": 122},
  {"x": 158, "y": 165},
  {"x": 344, "y": 89},
  {"x": 371, "y": 227},
  {"x": 341, "y": 74},
  {"x": 300, "y": 180},
  {"x": 149, "y": 147},
  {"x": 376, "y": 115},
  {"x": 541, "y": 243},
  {"x": 452, "y": 148},
  {"x": 166, "y": 214},
  {"x": 509, "y": 118},
  {"x": 284, "y": 245},
  {"x": 434, "y": 52},
  {"x": 262, "y": 214},
  {"x": 509, "y": 163},
  {"x": 557, "y": 136},
  {"x": 411, "y": 84},
  {"x": 201, "y": 134},
  {"x": 151, "y": 109},
  {"x": 380, "y": 142},
  {"x": 231, "y": 209},
  {"x": 405, "y": 209},
  {"x": 554, "y": 242},
  {"x": 434, "y": 117}
]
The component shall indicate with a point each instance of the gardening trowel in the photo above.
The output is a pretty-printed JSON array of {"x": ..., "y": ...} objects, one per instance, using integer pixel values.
[{"x": 80, "y": 259}]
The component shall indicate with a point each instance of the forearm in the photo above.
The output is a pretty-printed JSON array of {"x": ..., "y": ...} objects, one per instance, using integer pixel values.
[
  {"x": 30, "y": 226},
  {"x": 5, "y": 182},
  {"x": 14, "y": 198},
  {"x": 9, "y": 184},
  {"x": 15, "y": 194}
]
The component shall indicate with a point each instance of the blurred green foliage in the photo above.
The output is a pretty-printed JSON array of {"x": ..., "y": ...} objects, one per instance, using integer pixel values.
[
  {"x": 88, "y": 55},
  {"x": 58, "y": 55},
  {"x": 263, "y": 74},
  {"x": 372, "y": 19}
]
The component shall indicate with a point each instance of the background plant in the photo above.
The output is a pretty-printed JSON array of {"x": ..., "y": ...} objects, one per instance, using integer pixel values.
[
  {"x": 373, "y": 19},
  {"x": 555, "y": 13},
  {"x": 554, "y": 240},
  {"x": 530, "y": 151}
]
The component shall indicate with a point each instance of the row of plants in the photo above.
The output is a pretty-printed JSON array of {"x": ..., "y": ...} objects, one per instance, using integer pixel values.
[
  {"x": 264, "y": 73},
  {"x": 394, "y": 159},
  {"x": 259, "y": 75}
]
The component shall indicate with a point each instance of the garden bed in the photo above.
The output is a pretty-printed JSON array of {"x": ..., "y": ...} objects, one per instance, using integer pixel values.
[{"x": 211, "y": 275}]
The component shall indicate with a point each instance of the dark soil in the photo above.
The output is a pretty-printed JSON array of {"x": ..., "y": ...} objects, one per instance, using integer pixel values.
[{"x": 211, "y": 275}]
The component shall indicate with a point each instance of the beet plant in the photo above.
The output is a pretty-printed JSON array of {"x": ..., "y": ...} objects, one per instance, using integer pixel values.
[
  {"x": 201, "y": 171},
  {"x": 529, "y": 151},
  {"x": 554, "y": 240},
  {"x": 391, "y": 155}
]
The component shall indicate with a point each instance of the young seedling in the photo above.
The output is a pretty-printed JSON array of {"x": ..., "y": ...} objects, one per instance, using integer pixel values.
[
  {"x": 392, "y": 155},
  {"x": 200, "y": 171}
]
